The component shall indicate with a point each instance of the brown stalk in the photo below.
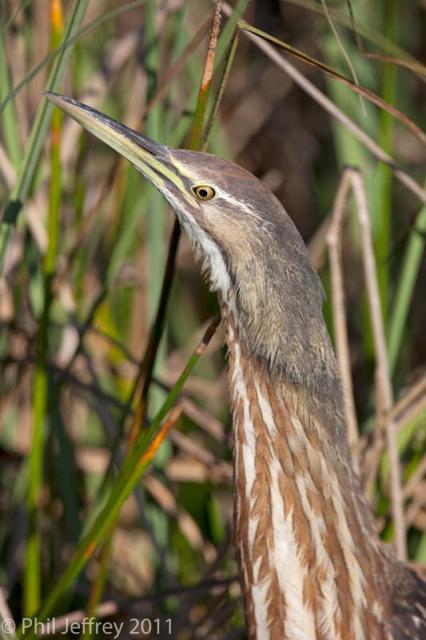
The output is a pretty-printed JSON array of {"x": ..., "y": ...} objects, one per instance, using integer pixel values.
[
  {"x": 6, "y": 169},
  {"x": 220, "y": 91},
  {"x": 404, "y": 410},
  {"x": 317, "y": 244},
  {"x": 168, "y": 503},
  {"x": 334, "y": 242},
  {"x": 384, "y": 387},
  {"x": 412, "y": 486},
  {"x": 352, "y": 180},
  {"x": 206, "y": 80},
  {"x": 416, "y": 394},
  {"x": 372, "y": 458}
]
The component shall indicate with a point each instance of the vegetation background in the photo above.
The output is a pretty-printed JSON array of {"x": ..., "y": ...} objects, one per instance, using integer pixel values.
[{"x": 83, "y": 248}]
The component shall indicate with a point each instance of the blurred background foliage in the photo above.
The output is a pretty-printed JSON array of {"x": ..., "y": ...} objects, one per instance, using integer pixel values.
[{"x": 85, "y": 244}]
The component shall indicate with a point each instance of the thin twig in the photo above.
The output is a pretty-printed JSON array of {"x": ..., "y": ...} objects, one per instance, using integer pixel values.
[
  {"x": 415, "y": 481},
  {"x": 335, "y": 75},
  {"x": 404, "y": 59},
  {"x": 411, "y": 404},
  {"x": 340, "y": 43},
  {"x": 410, "y": 63},
  {"x": 415, "y": 394},
  {"x": 335, "y": 112},
  {"x": 177, "y": 67},
  {"x": 110, "y": 608}
]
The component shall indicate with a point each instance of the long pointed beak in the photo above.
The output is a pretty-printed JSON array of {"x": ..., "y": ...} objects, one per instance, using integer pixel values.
[{"x": 149, "y": 157}]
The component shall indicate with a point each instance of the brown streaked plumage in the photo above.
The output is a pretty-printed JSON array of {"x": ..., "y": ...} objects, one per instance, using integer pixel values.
[{"x": 312, "y": 566}]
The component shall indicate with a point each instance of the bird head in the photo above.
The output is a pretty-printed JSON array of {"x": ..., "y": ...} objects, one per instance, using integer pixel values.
[{"x": 249, "y": 247}]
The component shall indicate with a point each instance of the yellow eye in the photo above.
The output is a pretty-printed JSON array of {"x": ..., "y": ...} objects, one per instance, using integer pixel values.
[{"x": 204, "y": 192}]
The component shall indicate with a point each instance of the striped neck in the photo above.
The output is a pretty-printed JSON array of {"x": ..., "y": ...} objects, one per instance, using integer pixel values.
[{"x": 312, "y": 566}]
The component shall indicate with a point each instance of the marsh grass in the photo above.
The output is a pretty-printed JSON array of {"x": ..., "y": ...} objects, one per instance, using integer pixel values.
[{"x": 101, "y": 312}]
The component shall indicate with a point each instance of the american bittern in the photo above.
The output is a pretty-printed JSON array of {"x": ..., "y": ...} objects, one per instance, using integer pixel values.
[{"x": 312, "y": 565}]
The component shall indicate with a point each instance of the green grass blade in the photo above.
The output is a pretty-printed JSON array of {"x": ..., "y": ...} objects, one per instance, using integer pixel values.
[
  {"x": 383, "y": 226},
  {"x": 32, "y": 573},
  {"x": 50, "y": 57},
  {"x": 38, "y": 131},
  {"x": 9, "y": 124},
  {"x": 421, "y": 550},
  {"x": 155, "y": 210},
  {"x": 404, "y": 291}
]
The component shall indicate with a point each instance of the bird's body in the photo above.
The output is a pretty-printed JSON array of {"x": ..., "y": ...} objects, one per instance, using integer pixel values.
[{"x": 312, "y": 567}]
